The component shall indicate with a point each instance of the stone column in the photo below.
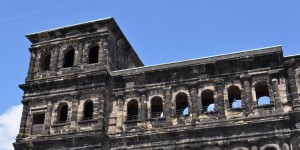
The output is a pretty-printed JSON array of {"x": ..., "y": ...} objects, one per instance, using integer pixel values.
[
  {"x": 247, "y": 91},
  {"x": 103, "y": 53},
  {"x": 168, "y": 107},
  {"x": 37, "y": 62},
  {"x": 54, "y": 59},
  {"x": 47, "y": 122},
  {"x": 293, "y": 88},
  {"x": 75, "y": 101},
  {"x": 194, "y": 105},
  {"x": 100, "y": 119},
  {"x": 78, "y": 54},
  {"x": 60, "y": 57},
  {"x": 31, "y": 65},
  {"x": 277, "y": 101},
  {"x": 23, "y": 121},
  {"x": 220, "y": 99},
  {"x": 119, "y": 115},
  {"x": 143, "y": 111}
]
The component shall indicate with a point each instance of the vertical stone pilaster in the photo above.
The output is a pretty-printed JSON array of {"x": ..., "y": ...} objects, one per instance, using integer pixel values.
[
  {"x": 47, "y": 122},
  {"x": 54, "y": 59},
  {"x": 168, "y": 107},
  {"x": 37, "y": 62},
  {"x": 199, "y": 101},
  {"x": 277, "y": 101},
  {"x": 248, "y": 96},
  {"x": 143, "y": 111},
  {"x": 60, "y": 57},
  {"x": 293, "y": 88},
  {"x": 194, "y": 105},
  {"x": 103, "y": 53},
  {"x": 220, "y": 108},
  {"x": 78, "y": 54},
  {"x": 100, "y": 51},
  {"x": 100, "y": 119},
  {"x": 75, "y": 101},
  {"x": 23, "y": 121},
  {"x": 119, "y": 116},
  {"x": 31, "y": 66},
  {"x": 32, "y": 62}
]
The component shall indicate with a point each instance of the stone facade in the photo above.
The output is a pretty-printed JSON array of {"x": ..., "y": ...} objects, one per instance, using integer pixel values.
[{"x": 86, "y": 88}]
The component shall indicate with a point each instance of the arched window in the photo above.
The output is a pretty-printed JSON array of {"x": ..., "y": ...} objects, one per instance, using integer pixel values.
[
  {"x": 132, "y": 110},
  {"x": 207, "y": 97},
  {"x": 63, "y": 113},
  {"x": 234, "y": 97},
  {"x": 46, "y": 62},
  {"x": 182, "y": 104},
  {"x": 93, "y": 55},
  {"x": 156, "y": 107},
  {"x": 69, "y": 58},
  {"x": 88, "y": 111},
  {"x": 262, "y": 93}
]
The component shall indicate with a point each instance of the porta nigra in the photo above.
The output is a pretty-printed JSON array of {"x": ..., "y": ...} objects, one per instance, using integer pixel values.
[{"x": 87, "y": 89}]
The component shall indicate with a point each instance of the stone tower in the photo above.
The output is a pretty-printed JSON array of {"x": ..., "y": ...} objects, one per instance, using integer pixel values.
[{"x": 86, "y": 88}]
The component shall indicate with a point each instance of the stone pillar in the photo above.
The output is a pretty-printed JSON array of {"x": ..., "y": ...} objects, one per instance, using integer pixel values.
[
  {"x": 119, "y": 115},
  {"x": 199, "y": 101},
  {"x": 78, "y": 54},
  {"x": 104, "y": 52},
  {"x": 100, "y": 51},
  {"x": 277, "y": 101},
  {"x": 143, "y": 108},
  {"x": 100, "y": 119},
  {"x": 23, "y": 121},
  {"x": 168, "y": 107},
  {"x": 220, "y": 99},
  {"x": 60, "y": 57},
  {"x": 54, "y": 59},
  {"x": 47, "y": 122},
  {"x": 293, "y": 88},
  {"x": 32, "y": 62},
  {"x": 75, "y": 101},
  {"x": 248, "y": 96},
  {"x": 37, "y": 62},
  {"x": 194, "y": 105}
]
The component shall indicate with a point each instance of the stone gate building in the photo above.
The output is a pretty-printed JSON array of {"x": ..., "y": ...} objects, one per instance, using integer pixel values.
[{"x": 86, "y": 88}]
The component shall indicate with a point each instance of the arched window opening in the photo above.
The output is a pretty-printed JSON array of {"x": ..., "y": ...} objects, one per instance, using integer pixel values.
[
  {"x": 88, "y": 111},
  {"x": 262, "y": 93},
  {"x": 46, "y": 63},
  {"x": 156, "y": 107},
  {"x": 132, "y": 110},
  {"x": 207, "y": 98},
  {"x": 234, "y": 97},
  {"x": 63, "y": 114},
  {"x": 69, "y": 58},
  {"x": 182, "y": 104},
  {"x": 93, "y": 55}
]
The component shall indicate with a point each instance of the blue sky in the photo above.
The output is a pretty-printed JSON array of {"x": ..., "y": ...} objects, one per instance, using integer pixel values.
[{"x": 159, "y": 31}]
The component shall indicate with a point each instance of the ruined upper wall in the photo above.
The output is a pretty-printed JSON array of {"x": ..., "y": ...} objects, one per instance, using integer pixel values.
[{"x": 69, "y": 50}]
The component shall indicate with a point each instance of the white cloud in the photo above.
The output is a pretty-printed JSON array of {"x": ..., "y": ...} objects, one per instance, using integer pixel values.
[{"x": 9, "y": 126}]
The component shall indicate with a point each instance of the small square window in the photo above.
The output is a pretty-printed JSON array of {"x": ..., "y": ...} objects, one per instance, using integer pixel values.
[{"x": 38, "y": 118}]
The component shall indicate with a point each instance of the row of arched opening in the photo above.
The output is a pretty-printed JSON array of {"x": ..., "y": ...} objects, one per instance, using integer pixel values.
[
  {"x": 207, "y": 100},
  {"x": 63, "y": 111},
  {"x": 69, "y": 56}
]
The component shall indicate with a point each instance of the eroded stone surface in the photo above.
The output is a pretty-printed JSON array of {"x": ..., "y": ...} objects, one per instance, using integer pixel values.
[{"x": 210, "y": 103}]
